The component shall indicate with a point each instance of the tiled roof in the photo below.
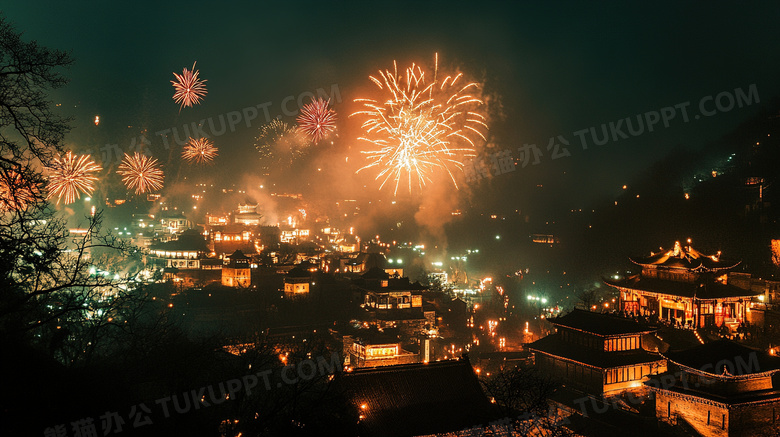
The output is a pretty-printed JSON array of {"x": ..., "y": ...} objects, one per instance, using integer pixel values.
[
  {"x": 373, "y": 336},
  {"x": 662, "y": 382},
  {"x": 685, "y": 258},
  {"x": 554, "y": 345},
  {"x": 238, "y": 255},
  {"x": 298, "y": 272},
  {"x": 186, "y": 242},
  {"x": 739, "y": 360},
  {"x": 418, "y": 399},
  {"x": 702, "y": 290},
  {"x": 375, "y": 273},
  {"x": 600, "y": 324},
  {"x": 393, "y": 284}
]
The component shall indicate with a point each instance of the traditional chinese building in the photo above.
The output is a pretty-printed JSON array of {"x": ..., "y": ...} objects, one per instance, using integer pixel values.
[
  {"x": 372, "y": 348},
  {"x": 393, "y": 302},
  {"x": 362, "y": 262},
  {"x": 719, "y": 389},
  {"x": 174, "y": 221},
  {"x": 295, "y": 236},
  {"x": 247, "y": 214},
  {"x": 186, "y": 252},
  {"x": 596, "y": 353},
  {"x": 355, "y": 263},
  {"x": 209, "y": 272},
  {"x": 227, "y": 239},
  {"x": 297, "y": 281},
  {"x": 686, "y": 286},
  {"x": 237, "y": 272},
  {"x": 349, "y": 244}
]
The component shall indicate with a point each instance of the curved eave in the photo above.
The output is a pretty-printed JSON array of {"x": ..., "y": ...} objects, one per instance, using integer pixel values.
[
  {"x": 639, "y": 263},
  {"x": 616, "y": 283},
  {"x": 694, "y": 370},
  {"x": 625, "y": 334},
  {"x": 716, "y": 269},
  {"x": 623, "y": 285},
  {"x": 698, "y": 268},
  {"x": 539, "y": 351}
]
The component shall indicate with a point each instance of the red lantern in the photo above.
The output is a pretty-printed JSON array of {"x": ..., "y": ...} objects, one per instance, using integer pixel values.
[{"x": 719, "y": 315}]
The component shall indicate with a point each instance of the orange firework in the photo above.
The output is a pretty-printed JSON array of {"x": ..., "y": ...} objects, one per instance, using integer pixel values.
[
  {"x": 317, "y": 120},
  {"x": 189, "y": 89},
  {"x": 70, "y": 176},
  {"x": 200, "y": 151},
  {"x": 141, "y": 173},
  {"x": 422, "y": 126}
]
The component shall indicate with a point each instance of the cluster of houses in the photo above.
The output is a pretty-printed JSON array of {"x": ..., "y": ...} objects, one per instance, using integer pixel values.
[
  {"x": 661, "y": 365},
  {"x": 230, "y": 249},
  {"x": 655, "y": 362}
]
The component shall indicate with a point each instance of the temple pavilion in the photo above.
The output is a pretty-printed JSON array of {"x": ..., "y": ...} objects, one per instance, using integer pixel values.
[{"x": 686, "y": 286}]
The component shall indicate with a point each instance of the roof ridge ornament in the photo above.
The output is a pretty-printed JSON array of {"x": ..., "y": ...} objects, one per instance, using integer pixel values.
[{"x": 677, "y": 249}]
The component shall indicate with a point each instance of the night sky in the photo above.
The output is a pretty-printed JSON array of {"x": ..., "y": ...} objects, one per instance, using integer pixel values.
[{"x": 549, "y": 69}]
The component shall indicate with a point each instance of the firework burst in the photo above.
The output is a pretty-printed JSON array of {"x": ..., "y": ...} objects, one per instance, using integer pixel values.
[
  {"x": 280, "y": 144},
  {"x": 199, "y": 151},
  {"x": 70, "y": 176},
  {"x": 189, "y": 88},
  {"x": 141, "y": 173},
  {"x": 317, "y": 120},
  {"x": 424, "y": 125}
]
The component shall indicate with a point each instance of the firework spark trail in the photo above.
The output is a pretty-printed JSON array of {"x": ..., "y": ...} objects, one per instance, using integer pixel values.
[
  {"x": 421, "y": 127},
  {"x": 199, "y": 151},
  {"x": 189, "y": 89},
  {"x": 317, "y": 120},
  {"x": 141, "y": 173},
  {"x": 70, "y": 176},
  {"x": 280, "y": 144}
]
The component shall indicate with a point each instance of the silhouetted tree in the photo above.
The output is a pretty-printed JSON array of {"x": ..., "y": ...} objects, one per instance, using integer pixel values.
[
  {"x": 47, "y": 284},
  {"x": 521, "y": 395}
]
